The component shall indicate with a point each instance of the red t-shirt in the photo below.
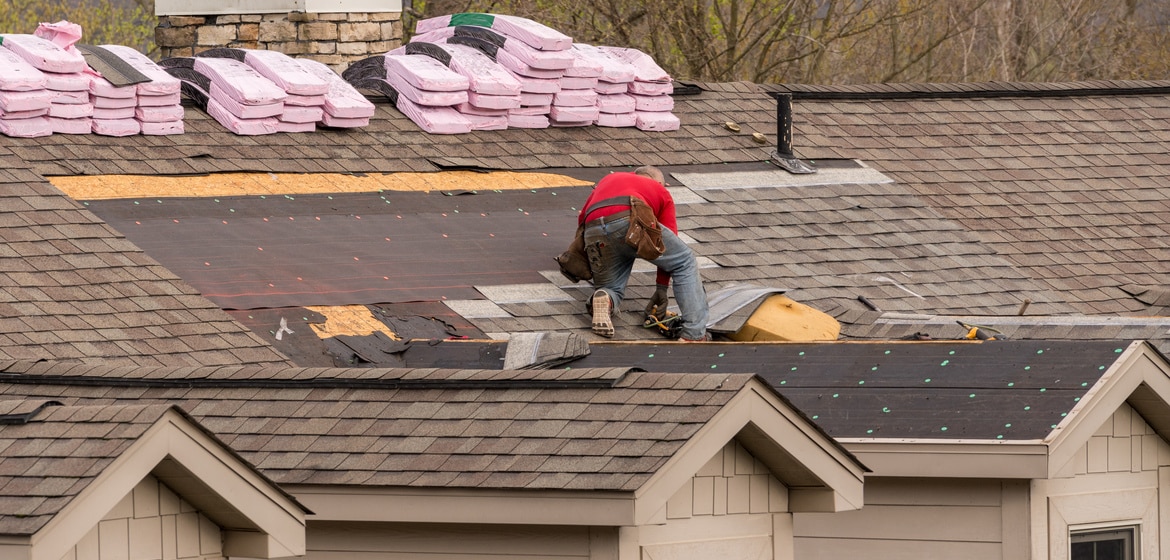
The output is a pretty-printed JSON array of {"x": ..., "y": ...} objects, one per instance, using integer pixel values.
[{"x": 629, "y": 184}]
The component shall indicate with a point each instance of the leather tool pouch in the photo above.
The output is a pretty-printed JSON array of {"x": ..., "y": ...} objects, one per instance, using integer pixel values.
[
  {"x": 573, "y": 262},
  {"x": 644, "y": 234}
]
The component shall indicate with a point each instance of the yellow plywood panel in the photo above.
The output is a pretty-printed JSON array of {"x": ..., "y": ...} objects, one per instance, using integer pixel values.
[
  {"x": 103, "y": 187},
  {"x": 780, "y": 318},
  {"x": 348, "y": 320}
]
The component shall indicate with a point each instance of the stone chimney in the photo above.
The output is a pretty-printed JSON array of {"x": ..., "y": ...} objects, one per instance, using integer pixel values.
[{"x": 334, "y": 32}]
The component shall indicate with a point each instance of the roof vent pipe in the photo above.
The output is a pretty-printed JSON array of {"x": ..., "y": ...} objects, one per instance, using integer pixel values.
[{"x": 783, "y": 155}]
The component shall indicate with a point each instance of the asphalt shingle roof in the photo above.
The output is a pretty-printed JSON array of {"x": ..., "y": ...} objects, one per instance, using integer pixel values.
[
  {"x": 72, "y": 288},
  {"x": 580, "y": 429},
  {"x": 49, "y": 459}
]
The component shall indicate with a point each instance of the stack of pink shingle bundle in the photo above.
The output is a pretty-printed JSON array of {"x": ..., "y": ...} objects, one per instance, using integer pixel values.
[
  {"x": 651, "y": 90},
  {"x": 491, "y": 90},
  {"x": 113, "y": 108},
  {"x": 536, "y": 55},
  {"x": 305, "y": 99},
  {"x": 344, "y": 106},
  {"x": 539, "y": 72},
  {"x": 241, "y": 99},
  {"x": 424, "y": 89},
  {"x": 24, "y": 101},
  {"x": 615, "y": 106},
  {"x": 158, "y": 108},
  {"x": 63, "y": 71}
]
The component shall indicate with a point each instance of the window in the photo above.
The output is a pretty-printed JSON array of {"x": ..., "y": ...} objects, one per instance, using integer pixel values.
[{"x": 1103, "y": 544}]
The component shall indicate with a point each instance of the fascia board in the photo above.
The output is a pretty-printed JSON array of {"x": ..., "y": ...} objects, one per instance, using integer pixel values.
[
  {"x": 443, "y": 505},
  {"x": 175, "y": 437},
  {"x": 1136, "y": 365},
  {"x": 951, "y": 458},
  {"x": 758, "y": 405}
]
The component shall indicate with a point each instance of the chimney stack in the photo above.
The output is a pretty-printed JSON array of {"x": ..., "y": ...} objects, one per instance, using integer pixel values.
[{"x": 334, "y": 32}]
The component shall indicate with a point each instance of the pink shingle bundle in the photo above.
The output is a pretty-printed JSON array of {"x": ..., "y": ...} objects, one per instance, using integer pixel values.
[
  {"x": 534, "y": 34},
  {"x": 113, "y": 108},
  {"x": 43, "y": 54},
  {"x": 651, "y": 84},
  {"x": 241, "y": 99},
  {"x": 343, "y": 106},
  {"x": 64, "y": 75},
  {"x": 490, "y": 91},
  {"x": 24, "y": 101},
  {"x": 303, "y": 106},
  {"x": 158, "y": 109},
  {"x": 403, "y": 78}
]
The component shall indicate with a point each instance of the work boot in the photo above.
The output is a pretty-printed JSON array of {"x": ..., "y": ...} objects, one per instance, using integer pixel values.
[{"x": 602, "y": 319}]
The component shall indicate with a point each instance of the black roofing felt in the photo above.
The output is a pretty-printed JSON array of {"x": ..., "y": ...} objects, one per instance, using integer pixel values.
[
  {"x": 1009, "y": 390},
  {"x": 341, "y": 249}
]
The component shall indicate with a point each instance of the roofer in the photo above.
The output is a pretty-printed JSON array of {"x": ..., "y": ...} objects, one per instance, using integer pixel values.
[{"x": 616, "y": 201}]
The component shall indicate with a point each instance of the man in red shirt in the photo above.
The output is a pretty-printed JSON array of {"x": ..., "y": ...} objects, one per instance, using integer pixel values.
[{"x": 606, "y": 217}]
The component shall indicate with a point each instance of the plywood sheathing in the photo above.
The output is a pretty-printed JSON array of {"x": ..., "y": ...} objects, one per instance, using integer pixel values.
[
  {"x": 105, "y": 187},
  {"x": 352, "y": 320}
]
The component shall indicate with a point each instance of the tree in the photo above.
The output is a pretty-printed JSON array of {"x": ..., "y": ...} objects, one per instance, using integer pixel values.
[
  {"x": 862, "y": 41},
  {"x": 102, "y": 21}
]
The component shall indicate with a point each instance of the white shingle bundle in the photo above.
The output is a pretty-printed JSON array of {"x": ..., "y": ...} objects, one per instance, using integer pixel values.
[
  {"x": 158, "y": 108},
  {"x": 342, "y": 106},
  {"x": 24, "y": 101}
]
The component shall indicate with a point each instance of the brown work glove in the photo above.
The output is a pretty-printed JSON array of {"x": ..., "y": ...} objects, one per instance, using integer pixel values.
[{"x": 658, "y": 302}]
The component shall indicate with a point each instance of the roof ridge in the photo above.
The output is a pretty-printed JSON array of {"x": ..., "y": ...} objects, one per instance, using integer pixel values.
[
  {"x": 928, "y": 90},
  {"x": 309, "y": 377}
]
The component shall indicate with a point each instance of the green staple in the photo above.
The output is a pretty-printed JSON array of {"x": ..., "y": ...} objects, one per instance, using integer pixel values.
[
  {"x": 650, "y": 356},
  {"x": 793, "y": 368},
  {"x": 1042, "y": 389},
  {"x": 1008, "y": 425},
  {"x": 815, "y": 416},
  {"x": 1011, "y": 384},
  {"x": 952, "y": 353},
  {"x": 835, "y": 395},
  {"x": 885, "y": 409},
  {"x": 927, "y": 380},
  {"x": 945, "y": 362},
  {"x": 721, "y": 354},
  {"x": 971, "y": 396},
  {"x": 1085, "y": 384},
  {"x": 887, "y": 351},
  {"x": 712, "y": 366},
  {"x": 874, "y": 368},
  {"x": 1026, "y": 368},
  {"x": 1041, "y": 351},
  {"x": 944, "y": 428},
  {"x": 862, "y": 382},
  {"x": 783, "y": 381},
  {"x": 1027, "y": 408},
  {"x": 869, "y": 431}
]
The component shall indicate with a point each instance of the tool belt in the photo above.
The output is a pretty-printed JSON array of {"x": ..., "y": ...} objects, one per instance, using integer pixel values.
[{"x": 644, "y": 234}]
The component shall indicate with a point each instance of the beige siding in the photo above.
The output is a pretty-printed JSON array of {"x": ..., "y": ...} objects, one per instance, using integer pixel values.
[
  {"x": 918, "y": 518},
  {"x": 1116, "y": 478},
  {"x": 732, "y": 508},
  {"x": 151, "y": 523},
  {"x": 438, "y": 541},
  {"x": 1124, "y": 444},
  {"x": 732, "y": 482}
]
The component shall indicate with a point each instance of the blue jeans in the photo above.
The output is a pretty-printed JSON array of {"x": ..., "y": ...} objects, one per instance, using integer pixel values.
[{"x": 612, "y": 259}]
